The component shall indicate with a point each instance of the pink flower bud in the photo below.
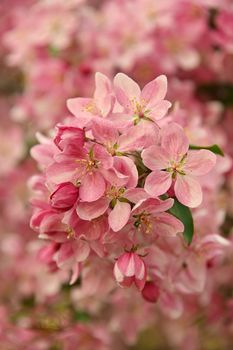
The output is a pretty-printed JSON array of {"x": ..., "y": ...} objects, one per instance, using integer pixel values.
[
  {"x": 67, "y": 135},
  {"x": 150, "y": 292},
  {"x": 64, "y": 197},
  {"x": 130, "y": 268}
]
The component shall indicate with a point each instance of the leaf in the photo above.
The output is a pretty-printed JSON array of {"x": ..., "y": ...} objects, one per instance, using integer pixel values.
[
  {"x": 184, "y": 214},
  {"x": 214, "y": 148}
]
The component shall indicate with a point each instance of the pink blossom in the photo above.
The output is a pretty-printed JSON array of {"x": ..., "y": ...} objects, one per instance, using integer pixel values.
[
  {"x": 85, "y": 109},
  {"x": 172, "y": 163},
  {"x": 149, "y": 216},
  {"x": 84, "y": 167},
  {"x": 148, "y": 104}
]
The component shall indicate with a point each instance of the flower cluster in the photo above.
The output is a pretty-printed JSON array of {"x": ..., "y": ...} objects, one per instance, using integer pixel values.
[
  {"x": 129, "y": 194},
  {"x": 111, "y": 174}
]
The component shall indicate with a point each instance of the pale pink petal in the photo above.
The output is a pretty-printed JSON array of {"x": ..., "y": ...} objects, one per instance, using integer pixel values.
[
  {"x": 126, "y": 167},
  {"x": 81, "y": 250},
  {"x": 140, "y": 268},
  {"x": 138, "y": 137},
  {"x": 153, "y": 205},
  {"x": 117, "y": 273},
  {"x": 75, "y": 274},
  {"x": 92, "y": 187},
  {"x": 188, "y": 191},
  {"x": 60, "y": 172},
  {"x": 135, "y": 195},
  {"x": 65, "y": 256},
  {"x": 159, "y": 110},
  {"x": 199, "y": 162},
  {"x": 174, "y": 141},
  {"x": 83, "y": 109},
  {"x": 212, "y": 245},
  {"x": 126, "y": 90},
  {"x": 104, "y": 131},
  {"x": 103, "y": 85},
  {"x": 43, "y": 154},
  {"x": 119, "y": 216},
  {"x": 102, "y": 96},
  {"x": 100, "y": 153},
  {"x": 92, "y": 210},
  {"x": 167, "y": 225},
  {"x": 155, "y": 157},
  {"x": 155, "y": 90},
  {"x": 158, "y": 182}
]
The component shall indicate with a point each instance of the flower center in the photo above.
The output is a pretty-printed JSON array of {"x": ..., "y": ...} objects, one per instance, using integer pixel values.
[
  {"x": 176, "y": 167},
  {"x": 143, "y": 222},
  {"x": 115, "y": 193}
]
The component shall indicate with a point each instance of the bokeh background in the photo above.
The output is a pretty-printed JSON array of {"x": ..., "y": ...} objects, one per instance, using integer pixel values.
[{"x": 50, "y": 51}]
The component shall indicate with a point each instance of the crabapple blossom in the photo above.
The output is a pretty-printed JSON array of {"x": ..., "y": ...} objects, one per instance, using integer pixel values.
[
  {"x": 148, "y": 104},
  {"x": 172, "y": 163}
]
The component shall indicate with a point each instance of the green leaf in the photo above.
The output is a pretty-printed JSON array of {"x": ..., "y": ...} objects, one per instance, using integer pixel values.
[
  {"x": 214, "y": 148},
  {"x": 184, "y": 214}
]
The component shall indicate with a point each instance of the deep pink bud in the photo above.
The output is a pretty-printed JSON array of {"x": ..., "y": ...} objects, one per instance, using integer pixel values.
[
  {"x": 68, "y": 135},
  {"x": 64, "y": 197},
  {"x": 150, "y": 292},
  {"x": 130, "y": 268}
]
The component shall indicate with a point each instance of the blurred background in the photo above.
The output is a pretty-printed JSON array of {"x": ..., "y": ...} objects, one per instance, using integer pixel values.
[{"x": 50, "y": 51}]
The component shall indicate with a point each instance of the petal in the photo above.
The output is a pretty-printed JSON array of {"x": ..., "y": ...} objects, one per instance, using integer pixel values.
[
  {"x": 92, "y": 210},
  {"x": 82, "y": 108},
  {"x": 126, "y": 167},
  {"x": 155, "y": 90},
  {"x": 199, "y": 162},
  {"x": 117, "y": 273},
  {"x": 138, "y": 137},
  {"x": 92, "y": 187},
  {"x": 158, "y": 182},
  {"x": 153, "y": 205},
  {"x": 102, "y": 96},
  {"x": 167, "y": 225},
  {"x": 65, "y": 256},
  {"x": 75, "y": 274},
  {"x": 159, "y": 110},
  {"x": 104, "y": 131},
  {"x": 135, "y": 195},
  {"x": 82, "y": 250},
  {"x": 61, "y": 172},
  {"x": 119, "y": 216},
  {"x": 174, "y": 141},
  {"x": 130, "y": 270},
  {"x": 155, "y": 157},
  {"x": 126, "y": 89},
  {"x": 140, "y": 267},
  {"x": 126, "y": 263},
  {"x": 188, "y": 191}
]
